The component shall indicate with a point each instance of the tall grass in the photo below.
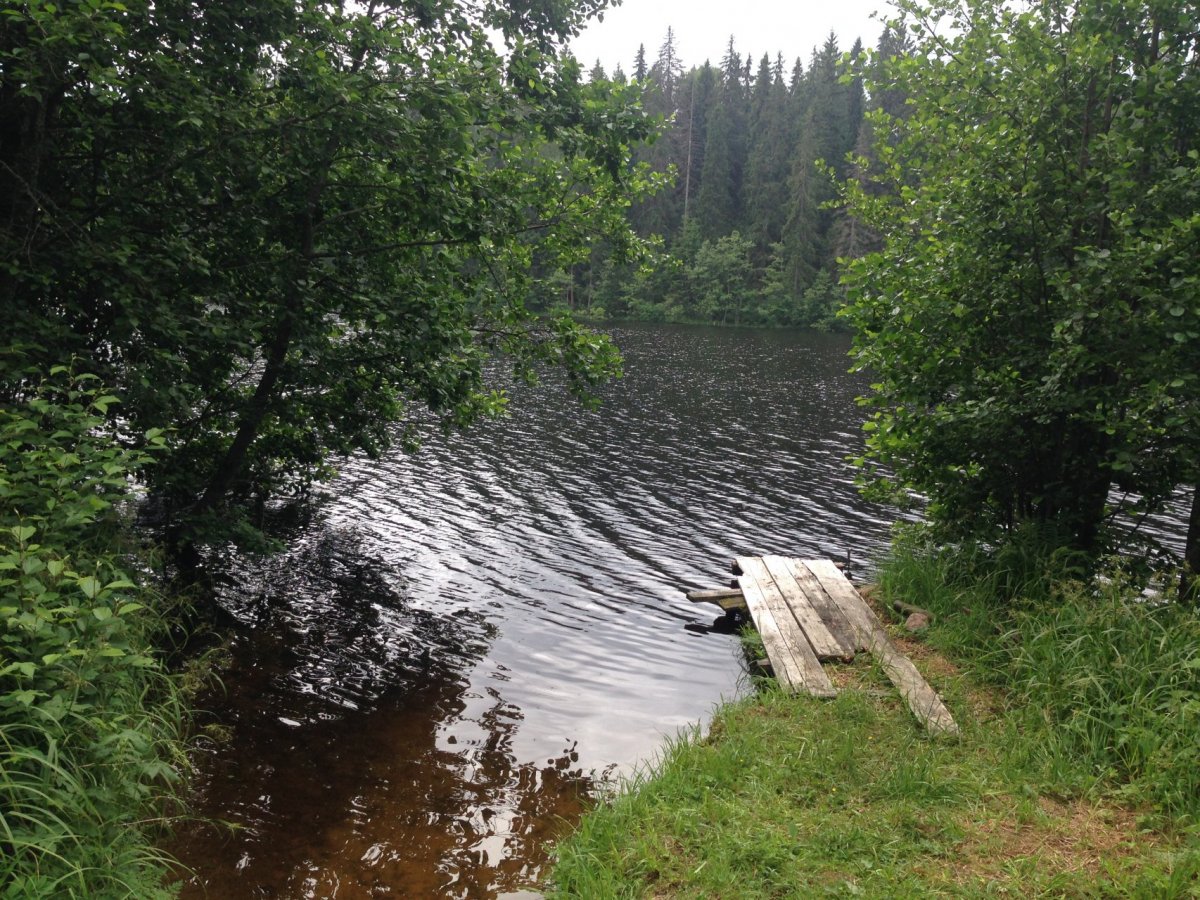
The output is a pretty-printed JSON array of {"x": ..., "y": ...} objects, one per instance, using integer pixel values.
[
  {"x": 1103, "y": 682},
  {"x": 90, "y": 723}
]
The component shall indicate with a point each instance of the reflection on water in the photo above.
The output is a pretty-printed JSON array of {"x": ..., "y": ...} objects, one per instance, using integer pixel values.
[
  {"x": 435, "y": 672},
  {"x": 362, "y": 764}
]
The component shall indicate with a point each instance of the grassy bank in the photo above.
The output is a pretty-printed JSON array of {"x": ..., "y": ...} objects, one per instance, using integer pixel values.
[{"x": 1075, "y": 773}]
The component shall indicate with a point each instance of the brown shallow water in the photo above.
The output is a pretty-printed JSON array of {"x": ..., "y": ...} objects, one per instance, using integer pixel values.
[
  {"x": 383, "y": 802},
  {"x": 454, "y": 652}
]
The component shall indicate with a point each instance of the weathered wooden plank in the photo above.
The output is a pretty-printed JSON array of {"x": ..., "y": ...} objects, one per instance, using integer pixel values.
[
  {"x": 831, "y": 614},
  {"x": 825, "y": 643},
  {"x": 922, "y": 699},
  {"x": 846, "y": 596},
  {"x": 726, "y": 598},
  {"x": 783, "y": 661},
  {"x": 764, "y": 599},
  {"x": 791, "y": 657}
]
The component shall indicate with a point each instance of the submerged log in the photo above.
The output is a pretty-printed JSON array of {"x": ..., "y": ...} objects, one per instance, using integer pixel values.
[{"x": 726, "y": 598}]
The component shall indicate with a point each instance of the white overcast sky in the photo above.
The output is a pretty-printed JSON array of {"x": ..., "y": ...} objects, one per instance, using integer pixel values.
[{"x": 702, "y": 29}]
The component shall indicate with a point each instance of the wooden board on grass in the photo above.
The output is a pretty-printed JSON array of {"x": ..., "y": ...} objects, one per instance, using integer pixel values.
[
  {"x": 921, "y": 698},
  {"x": 800, "y": 601},
  {"x": 831, "y": 614}
]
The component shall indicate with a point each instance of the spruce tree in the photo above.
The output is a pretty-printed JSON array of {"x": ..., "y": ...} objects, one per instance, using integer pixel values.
[
  {"x": 692, "y": 126},
  {"x": 720, "y": 199},
  {"x": 826, "y": 137},
  {"x": 662, "y": 213},
  {"x": 668, "y": 69},
  {"x": 854, "y": 238},
  {"x": 767, "y": 162}
]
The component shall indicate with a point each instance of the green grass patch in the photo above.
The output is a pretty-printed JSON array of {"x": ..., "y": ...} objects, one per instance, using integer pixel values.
[
  {"x": 1103, "y": 679},
  {"x": 1068, "y": 778}
]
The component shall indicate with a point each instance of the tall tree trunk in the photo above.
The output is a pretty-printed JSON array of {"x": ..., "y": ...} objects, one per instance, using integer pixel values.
[
  {"x": 252, "y": 418},
  {"x": 687, "y": 169},
  {"x": 234, "y": 459},
  {"x": 1086, "y": 515}
]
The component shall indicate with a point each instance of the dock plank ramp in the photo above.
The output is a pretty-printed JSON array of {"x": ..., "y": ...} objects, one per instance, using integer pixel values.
[
  {"x": 795, "y": 664},
  {"x": 808, "y": 611},
  {"x": 921, "y": 698}
]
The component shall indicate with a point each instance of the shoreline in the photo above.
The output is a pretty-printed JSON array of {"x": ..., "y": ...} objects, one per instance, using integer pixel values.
[{"x": 792, "y": 796}]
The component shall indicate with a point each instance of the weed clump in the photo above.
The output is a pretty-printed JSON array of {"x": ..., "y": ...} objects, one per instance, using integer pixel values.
[{"x": 90, "y": 723}]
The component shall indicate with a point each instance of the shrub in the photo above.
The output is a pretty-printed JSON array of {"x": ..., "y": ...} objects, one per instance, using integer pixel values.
[{"x": 89, "y": 721}]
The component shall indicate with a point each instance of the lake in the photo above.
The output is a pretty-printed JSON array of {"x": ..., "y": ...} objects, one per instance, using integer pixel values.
[{"x": 459, "y": 648}]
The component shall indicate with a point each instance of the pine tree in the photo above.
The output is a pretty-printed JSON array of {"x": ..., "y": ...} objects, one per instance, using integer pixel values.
[
  {"x": 732, "y": 76},
  {"x": 719, "y": 203},
  {"x": 668, "y": 69},
  {"x": 826, "y": 137},
  {"x": 662, "y": 213},
  {"x": 693, "y": 129},
  {"x": 850, "y": 239},
  {"x": 760, "y": 92},
  {"x": 855, "y": 98},
  {"x": 854, "y": 238},
  {"x": 796, "y": 85},
  {"x": 767, "y": 162}
]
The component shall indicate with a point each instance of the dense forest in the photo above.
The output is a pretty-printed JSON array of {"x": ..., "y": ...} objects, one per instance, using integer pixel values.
[
  {"x": 1029, "y": 320},
  {"x": 750, "y": 227}
]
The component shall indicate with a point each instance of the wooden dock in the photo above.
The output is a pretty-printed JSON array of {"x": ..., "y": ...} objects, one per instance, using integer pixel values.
[{"x": 808, "y": 612}]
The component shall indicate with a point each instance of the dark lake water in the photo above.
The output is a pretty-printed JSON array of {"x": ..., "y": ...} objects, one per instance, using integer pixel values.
[{"x": 453, "y": 652}]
